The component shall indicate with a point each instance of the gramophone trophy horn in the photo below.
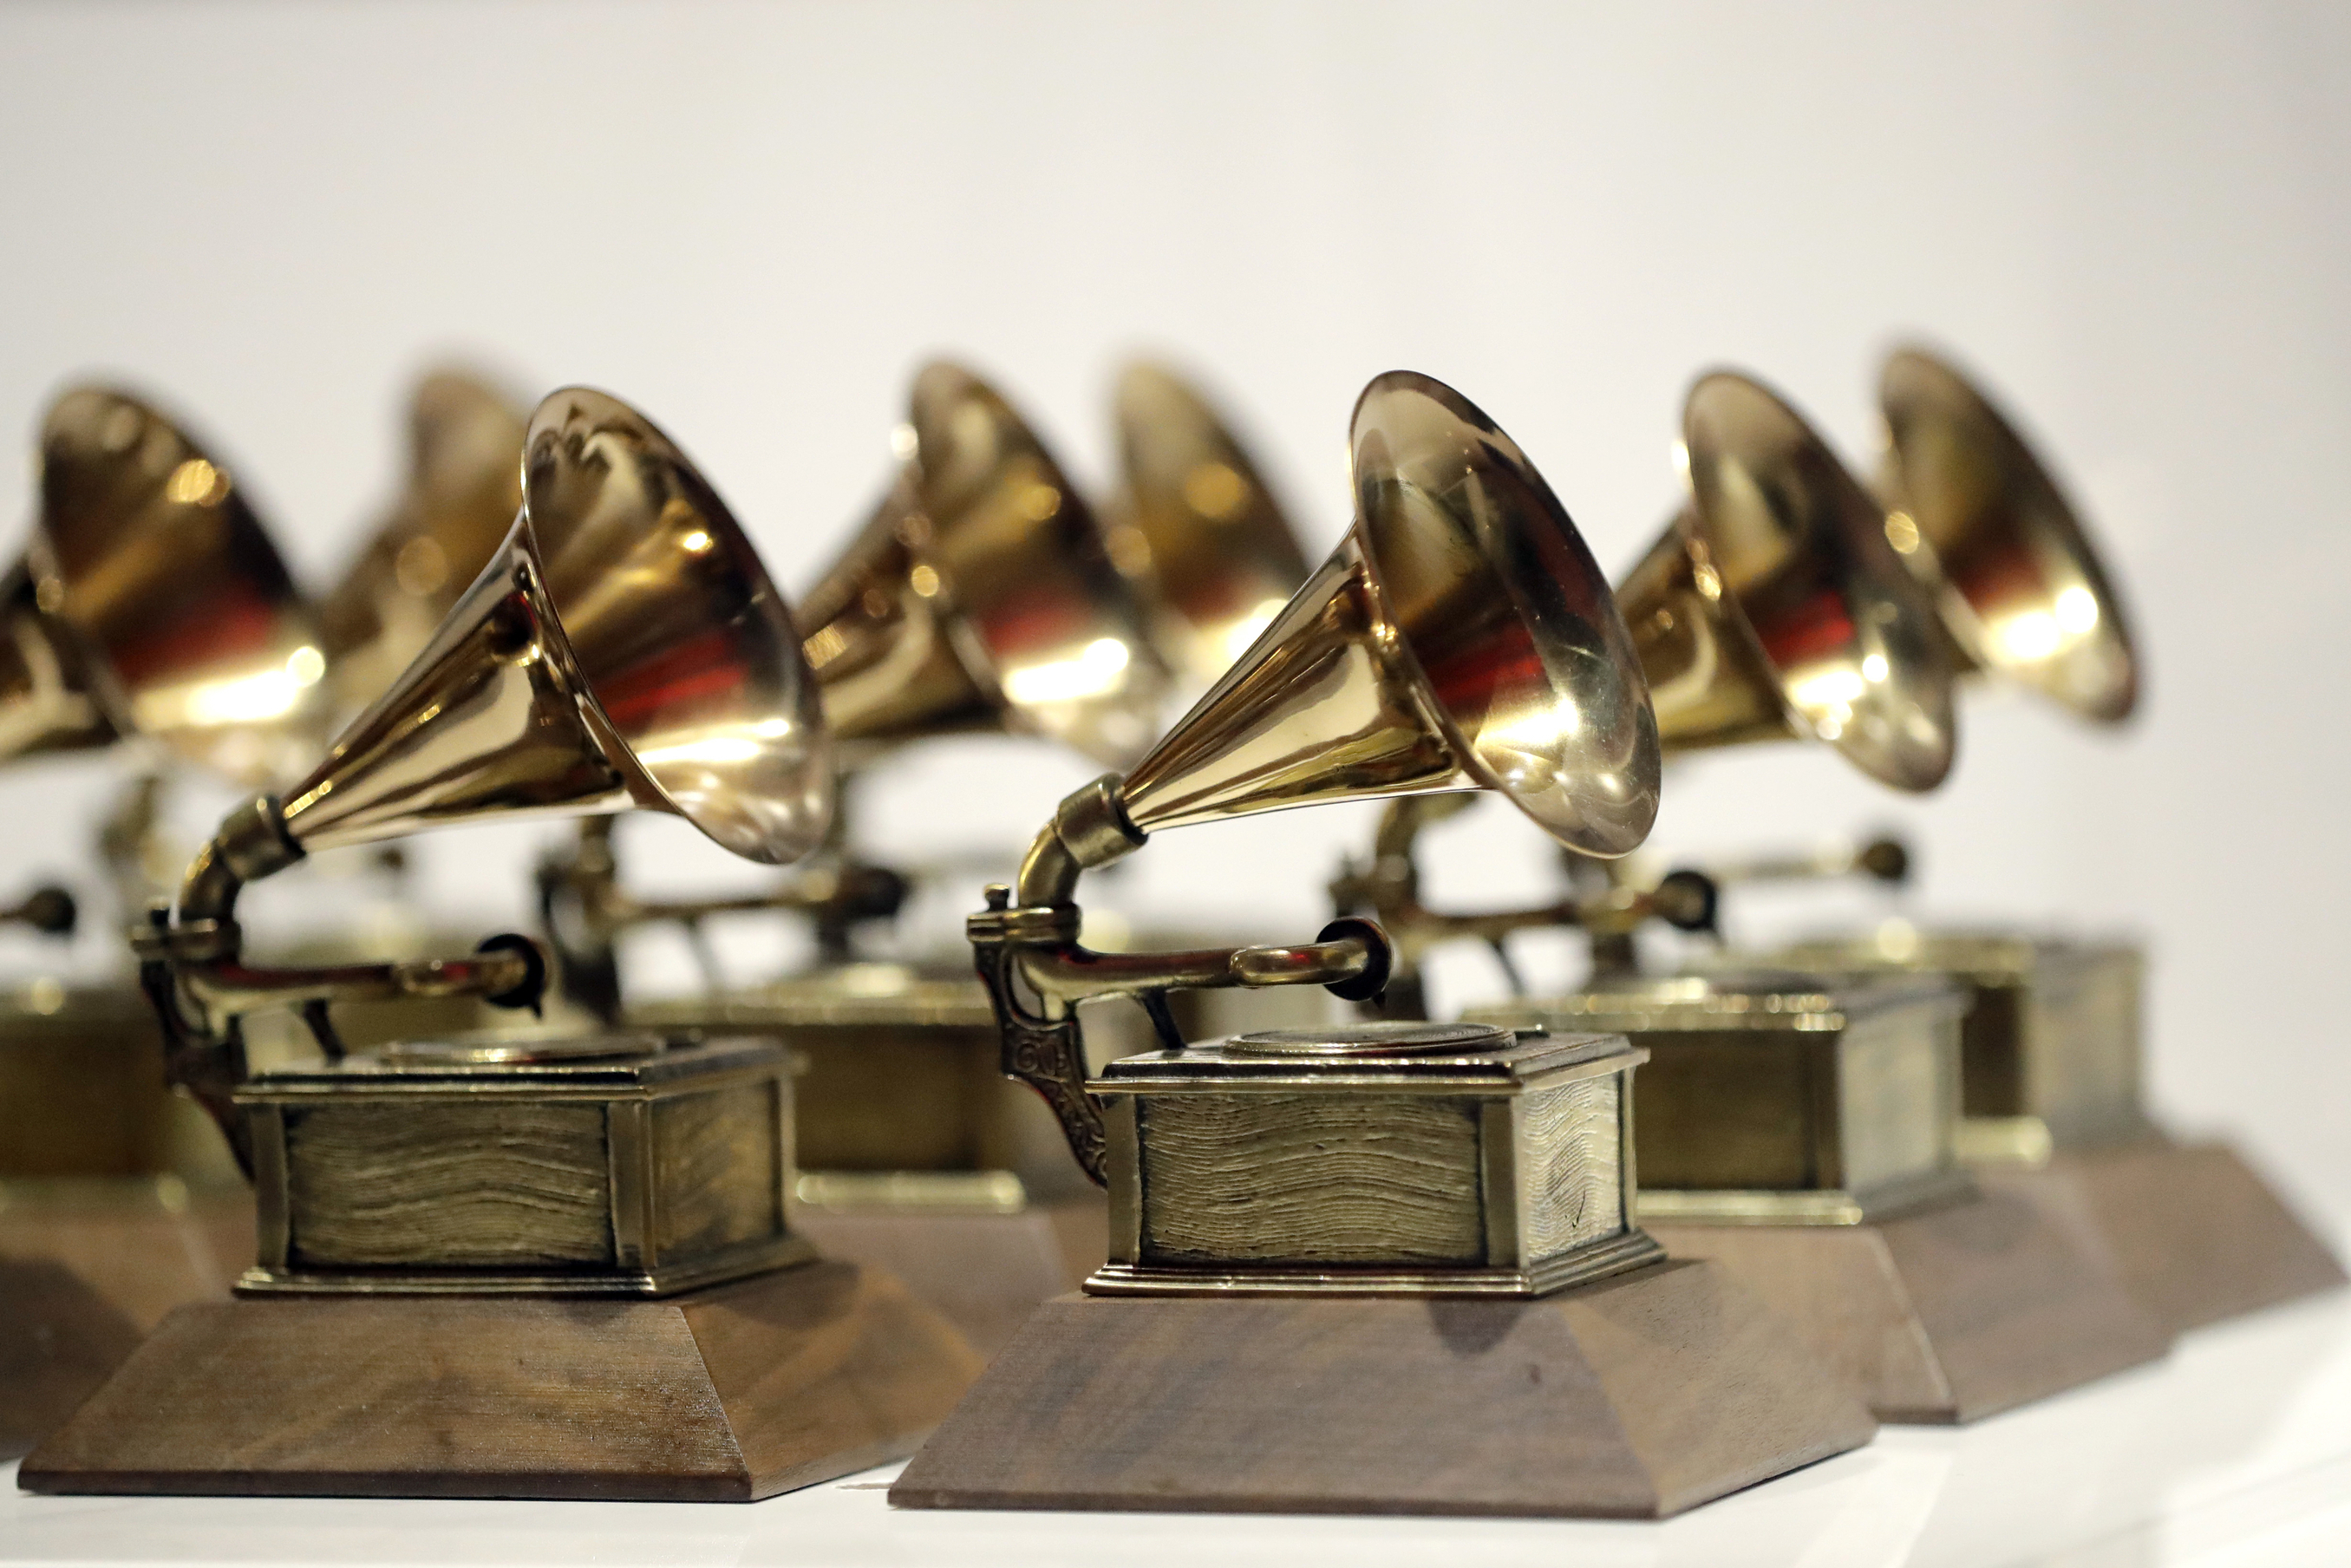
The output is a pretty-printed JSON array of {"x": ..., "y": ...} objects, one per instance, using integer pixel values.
[
  {"x": 463, "y": 489},
  {"x": 1976, "y": 516},
  {"x": 981, "y": 596},
  {"x": 1773, "y": 608},
  {"x": 1195, "y": 527},
  {"x": 179, "y": 620},
  {"x": 517, "y": 1266},
  {"x": 1454, "y": 640},
  {"x": 1284, "y": 1204},
  {"x": 624, "y": 648}
]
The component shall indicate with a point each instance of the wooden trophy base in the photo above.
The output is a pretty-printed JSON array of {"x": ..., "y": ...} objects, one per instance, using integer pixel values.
[
  {"x": 1947, "y": 1314},
  {"x": 88, "y": 1269},
  {"x": 2195, "y": 1232},
  {"x": 725, "y": 1394},
  {"x": 1635, "y": 1396},
  {"x": 985, "y": 1273}
]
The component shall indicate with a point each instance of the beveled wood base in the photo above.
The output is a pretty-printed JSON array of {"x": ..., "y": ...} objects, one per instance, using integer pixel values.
[
  {"x": 2196, "y": 1233},
  {"x": 727, "y": 1393},
  {"x": 1946, "y": 1314},
  {"x": 985, "y": 1273},
  {"x": 1636, "y": 1396},
  {"x": 86, "y": 1269}
]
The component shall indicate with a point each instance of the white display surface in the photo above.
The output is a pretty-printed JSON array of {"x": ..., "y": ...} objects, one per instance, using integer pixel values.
[{"x": 2237, "y": 1450}]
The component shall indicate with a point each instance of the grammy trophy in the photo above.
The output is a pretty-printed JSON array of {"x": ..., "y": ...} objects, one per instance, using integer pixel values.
[
  {"x": 2052, "y": 1052},
  {"x": 1798, "y": 1129},
  {"x": 1386, "y": 1267},
  {"x": 519, "y": 1265},
  {"x": 150, "y": 616}
]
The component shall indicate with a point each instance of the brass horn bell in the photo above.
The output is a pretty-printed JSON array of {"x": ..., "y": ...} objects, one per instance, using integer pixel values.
[
  {"x": 1975, "y": 516},
  {"x": 1773, "y": 606},
  {"x": 1195, "y": 527},
  {"x": 981, "y": 595},
  {"x": 151, "y": 602},
  {"x": 463, "y": 487},
  {"x": 1459, "y": 638},
  {"x": 624, "y": 648}
]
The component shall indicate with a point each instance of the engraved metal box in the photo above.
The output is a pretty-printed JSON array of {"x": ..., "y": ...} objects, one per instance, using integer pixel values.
[
  {"x": 1772, "y": 1099},
  {"x": 1440, "y": 1159},
  {"x": 2049, "y": 1050},
  {"x": 620, "y": 1165}
]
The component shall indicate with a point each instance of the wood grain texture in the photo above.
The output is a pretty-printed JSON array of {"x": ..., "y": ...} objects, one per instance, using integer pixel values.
[
  {"x": 2196, "y": 1233},
  {"x": 727, "y": 1393},
  {"x": 985, "y": 1273},
  {"x": 1572, "y": 1171},
  {"x": 1309, "y": 1178},
  {"x": 506, "y": 1182},
  {"x": 1635, "y": 1398},
  {"x": 84, "y": 1278},
  {"x": 1950, "y": 1314},
  {"x": 718, "y": 1180}
]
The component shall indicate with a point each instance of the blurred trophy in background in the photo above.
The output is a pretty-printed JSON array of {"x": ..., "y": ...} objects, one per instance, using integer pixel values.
[
  {"x": 514, "y": 1264},
  {"x": 458, "y": 497},
  {"x": 979, "y": 596},
  {"x": 2053, "y": 1052},
  {"x": 1370, "y": 1266},
  {"x": 150, "y": 615},
  {"x": 1801, "y": 1129}
]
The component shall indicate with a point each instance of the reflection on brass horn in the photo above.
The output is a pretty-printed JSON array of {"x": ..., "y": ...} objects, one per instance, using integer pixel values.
[
  {"x": 579, "y": 1209},
  {"x": 624, "y": 648},
  {"x": 1771, "y": 607},
  {"x": 179, "y": 620},
  {"x": 463, "y": 486},
  {"x": 1458, "y": 637},
  {"x": 981, "y": 595},
  {"x": 1975, "y": 515},
  {"x": 1195, "y": 527}
]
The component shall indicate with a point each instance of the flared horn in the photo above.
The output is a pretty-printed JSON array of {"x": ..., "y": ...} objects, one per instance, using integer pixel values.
[
  {"x": 1460, "y": 637},
  {"x": 456, "y": 504},
  {"x": 190, "y": 628},
  {"x": 1195, "y": 527},
  {"x": 1977, "y": 520},
  {"x": 981, "y": 596},
  {"x": 1774, "y": 607},
  {"x": 624, "y": 647}
]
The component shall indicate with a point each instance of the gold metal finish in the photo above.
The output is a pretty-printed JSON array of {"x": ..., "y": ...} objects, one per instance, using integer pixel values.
[
  {"x": 1775, "y": 607},
  {"x": 1195, "y": 527},
  {"x": 2051, "y": 1051},
  {"x": 1391, "y": 1159},
  {"x": 981, "y": 595},
  {"x": 169, "y": 612},
  {"x": 624, "y": 648},
  {"x": 641, "y": 1169},
  {"x": 1460, "y": 637},
  {"x": 1775, "y": 1098},
  {"x": 898, "y": 1077},
  {"x": 462, "y": 489},
  {"x": 1975, "y": 516},
  {"x": 1772, "y": 607}
]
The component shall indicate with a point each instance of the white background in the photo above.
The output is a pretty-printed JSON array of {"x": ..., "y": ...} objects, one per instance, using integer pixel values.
[{"x": 756, "y": 220}]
